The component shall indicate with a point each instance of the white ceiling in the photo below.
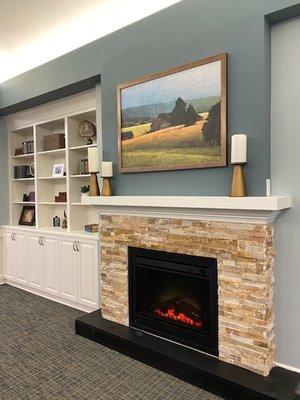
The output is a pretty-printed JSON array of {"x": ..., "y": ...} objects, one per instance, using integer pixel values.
[{"x": 33, "y": 32}]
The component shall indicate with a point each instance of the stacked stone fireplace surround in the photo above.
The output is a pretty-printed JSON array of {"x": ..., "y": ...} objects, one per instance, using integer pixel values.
[{"x": 245, "y": 258}]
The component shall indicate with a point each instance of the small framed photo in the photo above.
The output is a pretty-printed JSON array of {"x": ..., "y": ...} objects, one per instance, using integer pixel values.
[
  {"x": 27, "y": 216},
  {"x": 58, "y": 170}
]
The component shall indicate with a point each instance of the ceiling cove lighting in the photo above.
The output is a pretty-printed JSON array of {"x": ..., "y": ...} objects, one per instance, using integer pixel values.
[{"x": 35, "y": 33}]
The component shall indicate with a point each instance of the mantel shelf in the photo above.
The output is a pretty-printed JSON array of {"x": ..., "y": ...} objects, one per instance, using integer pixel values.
[
  {"x": 218, "y": 208},
  {"x": 271, "y": 203}
]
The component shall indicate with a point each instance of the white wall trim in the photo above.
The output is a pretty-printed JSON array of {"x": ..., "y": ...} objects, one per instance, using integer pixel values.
[
  {"x": 256, "y": 210},
  {"x": 61, "y": 108},
  {"x": 285, "y": 176},
  {"x": 259, "y": 203},
  {"x": 239, "y": 217},
  {"x": 288, "y": 367},
  {"x": 51, "y": 297}
]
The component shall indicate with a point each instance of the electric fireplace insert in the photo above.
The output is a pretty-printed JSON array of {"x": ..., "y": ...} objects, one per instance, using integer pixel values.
[{"x": 174, "y": 296}]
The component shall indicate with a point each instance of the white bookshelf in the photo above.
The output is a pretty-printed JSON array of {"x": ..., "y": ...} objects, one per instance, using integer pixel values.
[{"x": 45, "y": 186}]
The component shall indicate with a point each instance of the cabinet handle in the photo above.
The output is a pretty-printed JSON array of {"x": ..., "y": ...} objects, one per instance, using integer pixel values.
[
  {"x": 14, "y": 237},
  {"x": 74, "y": 248},
  {"x": 42, "y": 241},
  {"x": 77, "y": 245},
  {"x": 11, "y": 236}
]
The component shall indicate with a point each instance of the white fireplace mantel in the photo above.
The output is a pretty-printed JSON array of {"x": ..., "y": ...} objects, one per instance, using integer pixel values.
[{"x": 215, "y": 208}]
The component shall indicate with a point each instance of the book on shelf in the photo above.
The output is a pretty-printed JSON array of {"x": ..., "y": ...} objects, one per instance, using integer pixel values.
[
  {"x": 31, "y": 196},
  {"x": 83, "y": 167},
  {"x": 61, "y": 198},
  {"x": 22, "y": 171},
  {"x": 91, "y": 228},
  {"x": 28, "y": 147},
  {"x": 54, "y": 141}
]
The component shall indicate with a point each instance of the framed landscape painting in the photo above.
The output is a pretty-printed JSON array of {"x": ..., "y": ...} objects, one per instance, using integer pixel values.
[{"x": 175, "y": 119}]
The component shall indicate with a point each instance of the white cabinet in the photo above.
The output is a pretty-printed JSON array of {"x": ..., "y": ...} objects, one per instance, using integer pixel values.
[
  {"x": 15, "y": 256},
  {"x": 21, "y": 256},
  {"x": 78, "y": 268},
  {"x": 87, "y": 273},
  {"x": 68, "y": 268},
  {"x": 61, "y": 267},
  {"x": 43, "y": 262},
  {"x": 9, "y": 255},
  {"x": 50, "y": 264},
  {"x": 35, "y": 261}
]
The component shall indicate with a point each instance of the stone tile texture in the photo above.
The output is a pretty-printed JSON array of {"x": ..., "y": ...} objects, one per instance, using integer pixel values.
[{"x": 245, "y": 256}]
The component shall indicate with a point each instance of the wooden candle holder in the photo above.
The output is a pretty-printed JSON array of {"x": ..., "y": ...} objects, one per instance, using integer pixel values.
[
  {"x": 94, "y": 187},
  {"x": 238, "y": 185},
  {"x": 106, "y": 187}
]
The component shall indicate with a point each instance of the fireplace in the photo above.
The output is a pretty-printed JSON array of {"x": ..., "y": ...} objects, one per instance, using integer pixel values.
[{"x": 174, "y": 296}]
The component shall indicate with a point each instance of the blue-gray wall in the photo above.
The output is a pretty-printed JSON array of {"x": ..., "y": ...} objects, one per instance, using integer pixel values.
[
  {"x": 285, "y": 173},
  {"x": 185, "y": 32}
]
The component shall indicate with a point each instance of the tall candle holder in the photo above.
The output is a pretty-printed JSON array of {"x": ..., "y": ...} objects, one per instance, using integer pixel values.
[
  {"x": 238, "y": 184},
  {"x": 93, "y": 185},
  {"x": 106, "y": 187},
  {"x": 238, "y": 159},
  {"x": 106, "y": 175},
  {"x": 93, "y": 160}
]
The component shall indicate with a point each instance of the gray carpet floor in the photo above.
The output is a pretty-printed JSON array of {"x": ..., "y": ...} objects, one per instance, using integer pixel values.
[{"x": 42, "y": 358}]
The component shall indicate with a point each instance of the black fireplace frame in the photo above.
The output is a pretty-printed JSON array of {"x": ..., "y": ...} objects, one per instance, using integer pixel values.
[{"x": 205, "y": 267}]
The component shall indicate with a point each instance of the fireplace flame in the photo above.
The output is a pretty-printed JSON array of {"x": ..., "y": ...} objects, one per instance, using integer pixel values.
[{"x": 181, "y": 317}]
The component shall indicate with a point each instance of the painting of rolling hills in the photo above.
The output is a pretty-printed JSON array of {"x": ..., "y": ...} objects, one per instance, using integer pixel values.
[{"x": 174, "y": 120}]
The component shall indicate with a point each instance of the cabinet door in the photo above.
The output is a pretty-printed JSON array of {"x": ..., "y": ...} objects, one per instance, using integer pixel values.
[
  {"x": 68, "y": 269},
  {"x": 51, "y": 271},
  {"x": 21, "y": 257},
  {"x": 9, "y": 255},
  {"x": 87, "y": 273},
  {"x": 35, "y": 260}
]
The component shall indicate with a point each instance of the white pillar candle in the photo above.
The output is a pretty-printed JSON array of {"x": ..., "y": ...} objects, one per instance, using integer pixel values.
[
  {"x": 239, "y": 149},
  {"x": 93, "y": 159},
  {"x": 107, "y": 169}
]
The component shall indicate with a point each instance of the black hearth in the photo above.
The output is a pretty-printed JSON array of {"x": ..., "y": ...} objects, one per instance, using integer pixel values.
[{"x": 174, "y": 296}]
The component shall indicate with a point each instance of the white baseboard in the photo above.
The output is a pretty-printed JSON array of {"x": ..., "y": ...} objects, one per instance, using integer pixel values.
[
  {"x": 49, "y": 296},
  {"x": 2, "y": 280},
  {"x": 289, "y": 367}
]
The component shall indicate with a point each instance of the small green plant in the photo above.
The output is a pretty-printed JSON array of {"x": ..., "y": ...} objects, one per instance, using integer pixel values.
[{"x": 85, "y": 189}]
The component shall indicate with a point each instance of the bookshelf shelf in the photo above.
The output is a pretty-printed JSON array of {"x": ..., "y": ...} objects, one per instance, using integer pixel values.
[
  {"x": 30, "y": 203},
  {"x": 83, "y": 147},
  {"x": 51, "y": 178},
  {"x": 80, "y": 176},
  {"x": 22, "y": 179},
  {"x": 23, "y": 156},
  {"x": 52, "y": 203},
  {"x": 51, "y": 153}
]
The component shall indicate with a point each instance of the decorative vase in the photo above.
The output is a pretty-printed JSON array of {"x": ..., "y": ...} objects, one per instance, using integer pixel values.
[{"x": 83, "y": 195}]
